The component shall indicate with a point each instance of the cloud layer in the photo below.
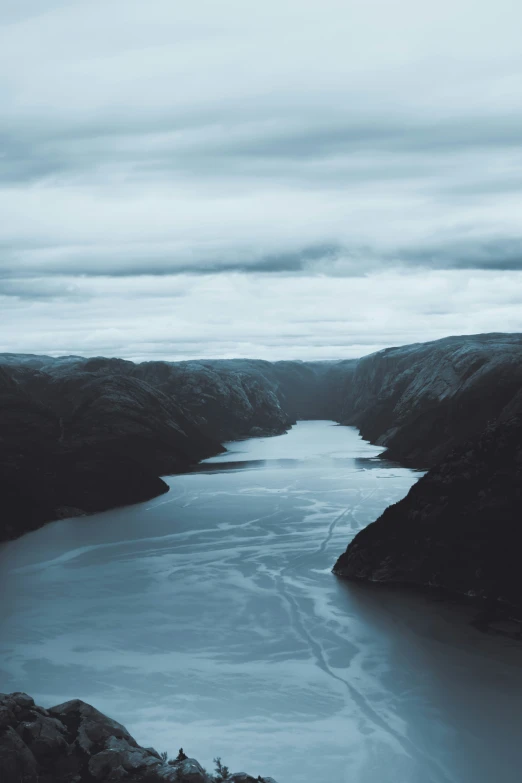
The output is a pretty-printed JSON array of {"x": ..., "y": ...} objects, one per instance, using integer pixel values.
[{"x": 229, "y": 179}]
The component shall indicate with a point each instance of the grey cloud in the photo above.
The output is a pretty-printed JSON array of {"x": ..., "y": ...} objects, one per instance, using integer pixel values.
[
  {"x": 199, "y": 148},
  {"x": 40, "y": 289},
  {"x": 95, "y": 261},
  {"x": 331, "y": 260},
  {"x": 500, "y": 253},
  {"x": 257, "y": 187},
  {"x": 13, "y": 11},
  {"x": 386, "y": 134}
]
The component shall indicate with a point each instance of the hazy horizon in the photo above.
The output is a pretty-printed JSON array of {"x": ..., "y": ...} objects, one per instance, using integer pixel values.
[{"x": 348, "y": 354}]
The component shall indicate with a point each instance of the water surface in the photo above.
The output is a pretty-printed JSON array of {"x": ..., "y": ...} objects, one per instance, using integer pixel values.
[{"x": 209, "y": 618}]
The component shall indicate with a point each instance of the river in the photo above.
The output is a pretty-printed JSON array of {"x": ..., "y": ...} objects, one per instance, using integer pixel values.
[{"x": 208, "y": 618}]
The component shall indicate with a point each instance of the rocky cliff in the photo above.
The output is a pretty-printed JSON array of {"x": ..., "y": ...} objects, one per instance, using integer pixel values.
[
  {"x": 75, "y": 743},
  {"x": 82, "y": 435},
  {"x": 459, "y": 527},
  {"x": 458, "y": 404},
  {"x": 86, "y": 442},
  {"x": 419, "y": 401}
]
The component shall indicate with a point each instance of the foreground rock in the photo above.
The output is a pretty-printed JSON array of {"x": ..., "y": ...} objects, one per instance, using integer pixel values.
[{"x": 75, "y": 743}]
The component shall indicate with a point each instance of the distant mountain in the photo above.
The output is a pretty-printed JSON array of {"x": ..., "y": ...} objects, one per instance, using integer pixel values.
[{"x": 419, "y": 401}]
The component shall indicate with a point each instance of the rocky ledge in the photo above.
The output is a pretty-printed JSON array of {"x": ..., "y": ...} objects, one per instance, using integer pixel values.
[{"x": 75, "y": 743}]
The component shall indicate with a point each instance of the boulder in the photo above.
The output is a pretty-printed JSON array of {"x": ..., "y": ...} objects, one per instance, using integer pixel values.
[
  {"x": 7, "y": 717},
  {"x": 17, "y": 763},
  {"x": 22, "y": 699},
  {"x": 74, "y": 743},
  {"x": 44, "y": 736},
  {"x": 93, "y": 728},
  {"x": 106, "y": 766},
  {"x": 243, "y": 777},
  {"x": 7, "y": 701},
  {"x": 189, "y": 770},
  {"x": 119, "y": 754}
]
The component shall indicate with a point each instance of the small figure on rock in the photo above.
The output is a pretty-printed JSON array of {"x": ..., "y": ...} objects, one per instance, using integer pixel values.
[{"x": 181, "y": 755}]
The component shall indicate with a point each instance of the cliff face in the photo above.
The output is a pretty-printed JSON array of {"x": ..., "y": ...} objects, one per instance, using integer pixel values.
[
  {"x": 226, "y": 400},
  {"x": 82, "y": 435},
  {"x": 75, "y": 743},
  {"x": 419, "y": 401},
  {"x": 459, "y": 527},
  {"x": 48, "y": 469},
  {"x": 458, "y": 404}
]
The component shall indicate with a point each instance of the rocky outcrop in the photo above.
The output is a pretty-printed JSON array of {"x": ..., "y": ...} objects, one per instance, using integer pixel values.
[
  {"x": 75, "y": 743},
  {"x": 459, "y": 528}
]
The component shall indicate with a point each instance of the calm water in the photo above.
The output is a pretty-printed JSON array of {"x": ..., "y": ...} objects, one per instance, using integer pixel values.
[{"x": 209, "y": 618}]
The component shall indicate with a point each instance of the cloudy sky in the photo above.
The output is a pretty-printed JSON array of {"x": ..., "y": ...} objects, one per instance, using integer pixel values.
[{"x": 292, "y": 178}]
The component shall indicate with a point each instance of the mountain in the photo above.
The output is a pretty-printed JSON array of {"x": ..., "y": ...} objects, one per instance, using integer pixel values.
[
  {"x": 456, "y": 403},
  {"x": 459, "y": 527},
  {"x": 80, "y": 435},
  {"x": 49, "y": 468},
  {"x": 419, "y": 401}
]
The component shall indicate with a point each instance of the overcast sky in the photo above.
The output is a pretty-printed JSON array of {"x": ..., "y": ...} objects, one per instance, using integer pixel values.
[{"x": 291, "y": 178}]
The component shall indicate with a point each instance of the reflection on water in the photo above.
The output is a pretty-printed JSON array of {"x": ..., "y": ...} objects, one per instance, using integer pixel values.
[
  {"x": 254, "y": 464},
  {"x": 209, "y": 618}
]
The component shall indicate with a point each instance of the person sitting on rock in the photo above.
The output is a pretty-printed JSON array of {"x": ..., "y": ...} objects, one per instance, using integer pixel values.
[{"x": 181, "y": 755}]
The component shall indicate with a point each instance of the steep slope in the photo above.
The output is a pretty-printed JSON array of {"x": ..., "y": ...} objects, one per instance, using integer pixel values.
[
  {"x": 44, "y": 475},
  {"x": 419, "y": 401},
  {"x": 460, "y": 526},
  {"x": 107, "y": 409},
  {"x": 225, "y": 399},
  {"x": 238, "y": 397},
  {"x": 95, "y": 433},
  {"x": 84, "y": 441}
]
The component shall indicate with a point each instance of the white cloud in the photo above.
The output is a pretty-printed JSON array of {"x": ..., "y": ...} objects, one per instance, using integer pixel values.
[{"x": 271, "y": 317}]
